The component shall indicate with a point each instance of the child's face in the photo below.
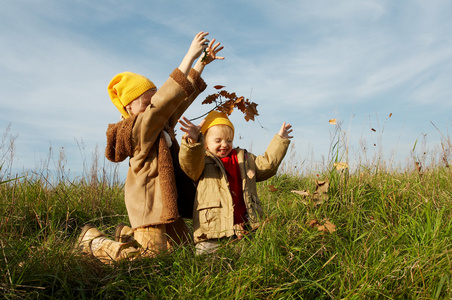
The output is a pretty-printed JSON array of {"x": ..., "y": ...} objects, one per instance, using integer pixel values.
[
  {"x": 139, "y": 104},
  {"x": 219, "y": 140}
]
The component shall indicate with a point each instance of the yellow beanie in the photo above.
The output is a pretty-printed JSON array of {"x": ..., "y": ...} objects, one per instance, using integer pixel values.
[
  {"x": 216, "y": 118},
  {"x": 126, "y": 87}
]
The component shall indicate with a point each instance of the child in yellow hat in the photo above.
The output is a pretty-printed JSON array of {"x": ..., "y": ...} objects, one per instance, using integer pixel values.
[
  {"x": 226, "y": 201},
  {"x": 146, "y": 135}
]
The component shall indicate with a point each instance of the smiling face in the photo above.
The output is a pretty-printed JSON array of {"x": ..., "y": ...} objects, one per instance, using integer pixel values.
[
  {"x": 219, "y": 140},
  {"x": 139, "y": 104}
]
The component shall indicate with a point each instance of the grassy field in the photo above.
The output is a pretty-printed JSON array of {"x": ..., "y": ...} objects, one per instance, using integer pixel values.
[
  {"x": 375, "y": 233},
  {"x": 389, "y": 237}
]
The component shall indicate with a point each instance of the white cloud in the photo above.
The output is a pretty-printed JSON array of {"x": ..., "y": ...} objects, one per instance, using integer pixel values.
[{"x": 302, "y": 62}]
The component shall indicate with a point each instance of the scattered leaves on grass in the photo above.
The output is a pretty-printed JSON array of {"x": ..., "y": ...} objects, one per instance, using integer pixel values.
[
  {"x": 318, "y": 197},
  {"x": 325, "y": 226}
]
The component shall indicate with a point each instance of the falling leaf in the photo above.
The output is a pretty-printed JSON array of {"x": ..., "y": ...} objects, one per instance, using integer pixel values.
[
  {"x": 373, "y": 130},
  {"x": 340, "y": 165},
  {"x": 251, "y": 111},
  {"x": 219, "y": 87},
  {"x": 332, "y": 121},
  {"x": 390, "y": 115},
  {"x": 272, "y": 188}
]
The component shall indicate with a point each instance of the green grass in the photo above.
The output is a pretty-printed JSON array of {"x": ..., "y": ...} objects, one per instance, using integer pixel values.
[{"x": 392, "y": 241}]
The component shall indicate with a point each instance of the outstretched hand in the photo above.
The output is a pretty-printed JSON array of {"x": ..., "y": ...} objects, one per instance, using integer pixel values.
[
  {"x": 210, "y": 54},
  {"x": 198, "y": 44},
  {"x": 285, "y": 130},
  {"x": 191, "y": 130}
]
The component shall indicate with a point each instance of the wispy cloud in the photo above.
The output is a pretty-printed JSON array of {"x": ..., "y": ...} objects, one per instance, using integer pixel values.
[{"x": 302, "y": 61}]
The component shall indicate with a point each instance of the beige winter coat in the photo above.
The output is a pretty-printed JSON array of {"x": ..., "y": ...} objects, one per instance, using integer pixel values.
[
  {"x": 137, "y": 137},
  {"x": 213, "y": 215}
]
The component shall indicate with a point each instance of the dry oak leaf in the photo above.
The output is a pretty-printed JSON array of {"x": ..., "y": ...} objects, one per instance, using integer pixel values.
[
  {"x": 321, "y": 187},
  {"x": 251, "y": 111},
  {"x": 332, "y": 121},
  {"x": 319, "y": 196},
  {"x": 302, "y": 193},
  {"x": 312, "y": 223},
  {"x": 327, "y": 227},
  {"x": 240, "y": 103}
]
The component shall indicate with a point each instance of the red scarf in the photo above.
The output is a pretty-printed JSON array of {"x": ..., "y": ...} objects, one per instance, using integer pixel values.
[{"x": 231, "y": 164}]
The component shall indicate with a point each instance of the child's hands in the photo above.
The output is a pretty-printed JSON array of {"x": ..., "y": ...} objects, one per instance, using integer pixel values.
[
  {"x": 285, "y": 130},
  {"x": 190, "y": 129},
  {"x": 210, "y": 54},
  {"x": 198, "y": 44}
]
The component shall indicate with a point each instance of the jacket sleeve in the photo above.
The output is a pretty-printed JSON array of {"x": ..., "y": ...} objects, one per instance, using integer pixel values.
[
  {"x": 199, "y": 86},
  {"x": 163, "y": 105},
  {"x": 267, "y": 164},
  {"x": 192, "y": 158}
]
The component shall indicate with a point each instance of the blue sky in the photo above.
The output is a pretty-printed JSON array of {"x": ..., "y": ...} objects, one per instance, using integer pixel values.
[{"x": 303, "y": 62}]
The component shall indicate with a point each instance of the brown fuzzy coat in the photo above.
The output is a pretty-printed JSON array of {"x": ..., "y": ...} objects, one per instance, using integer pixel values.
[{"x": 149, "y": 194}]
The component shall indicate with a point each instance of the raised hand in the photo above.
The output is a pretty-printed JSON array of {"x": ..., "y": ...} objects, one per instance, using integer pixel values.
[
  {"x": 285, "y": 130},
  {"x": 191, "y": 130},
  {"x": 198, "y": 44},
  {"x": 210, "y": 54}
]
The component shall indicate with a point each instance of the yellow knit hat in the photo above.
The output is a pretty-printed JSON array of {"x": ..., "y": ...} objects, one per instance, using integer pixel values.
[
  {"x": 216, "y": 118},
  {"x": 126, "y": 87}
]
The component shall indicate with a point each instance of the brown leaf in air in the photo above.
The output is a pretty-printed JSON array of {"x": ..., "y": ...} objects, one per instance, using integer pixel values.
[
  {"x": 390, "y": 115},
  {"x": 241, "y": 104},
  {"x": 251, "y": 111},
  {"x": 211, "y": 98},
  {"x": 373, "y": 129},
  {"x": 218, "y": 87},
  {"x": 227, "y": 107},
  {"x": 332, "y": 121},
  {"x": 226, "y": 102}
]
